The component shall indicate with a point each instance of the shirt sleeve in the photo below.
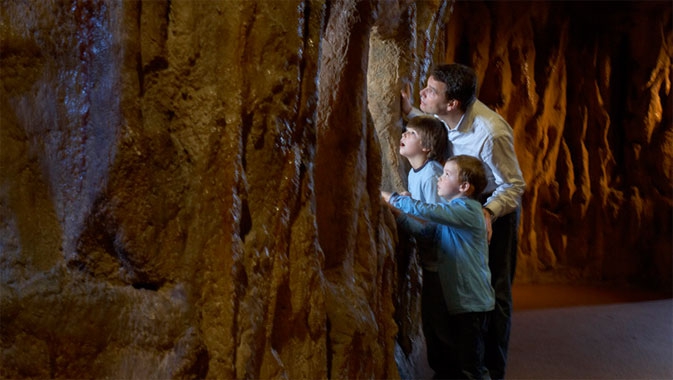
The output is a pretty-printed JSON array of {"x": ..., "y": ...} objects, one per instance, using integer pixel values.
[
  {"x": 501, "y": 159},
  {"x": 456, "y": 213},
  {"x": 422, "y": 231},
  {"x": 429, "y": 189}
]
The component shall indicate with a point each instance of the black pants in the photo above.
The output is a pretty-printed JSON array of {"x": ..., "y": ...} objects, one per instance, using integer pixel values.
[
  {"x": 502, "y": 263},
  {"x": 455, "y": 343}
]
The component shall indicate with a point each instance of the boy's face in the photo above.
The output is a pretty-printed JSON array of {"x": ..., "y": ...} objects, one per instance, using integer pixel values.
[
  {"x": 449, "y": 184},
  {"x": 433, "y": 97},
  {"x": 411, "y": 143}
]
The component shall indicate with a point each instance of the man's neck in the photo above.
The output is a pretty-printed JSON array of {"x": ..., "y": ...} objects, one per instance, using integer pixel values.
[{"x": 451, "y": 119}]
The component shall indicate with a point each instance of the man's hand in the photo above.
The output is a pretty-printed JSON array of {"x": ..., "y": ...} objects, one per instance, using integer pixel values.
[
  {"x": 489, "y": 227},
  {"x": 405, "y": 99}
]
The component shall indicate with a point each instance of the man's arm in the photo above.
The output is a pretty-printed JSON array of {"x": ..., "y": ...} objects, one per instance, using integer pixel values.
[
  {"x": 508, "y": 178},
  {"x": 408, "y": 110},
  {"x": 405, "y": 99}
]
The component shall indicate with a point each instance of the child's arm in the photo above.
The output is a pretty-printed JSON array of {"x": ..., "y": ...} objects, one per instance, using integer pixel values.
[
  {"x": 386, "y": 196},
  {"x": 452, "y": 214},
  {"x": 421, "y": 229}
]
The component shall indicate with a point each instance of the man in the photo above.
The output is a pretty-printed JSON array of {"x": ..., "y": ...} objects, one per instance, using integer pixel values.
[{"x": 476, "y": 130}]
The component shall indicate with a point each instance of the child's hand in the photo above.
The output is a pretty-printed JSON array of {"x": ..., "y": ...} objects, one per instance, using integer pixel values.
[
  {"x": 405, "y": 193},
  {"x": 386, "y": 196},
  {"x": 396, "y": 212}
]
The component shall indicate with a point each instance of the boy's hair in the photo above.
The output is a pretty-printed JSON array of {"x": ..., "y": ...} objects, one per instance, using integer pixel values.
[
  {"x": 433, "y": 135},
  {"x": 460, "y": 80},
  {"x": 471, "y": 170}
]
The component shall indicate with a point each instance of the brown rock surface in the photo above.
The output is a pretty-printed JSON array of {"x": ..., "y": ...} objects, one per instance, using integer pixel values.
[
  {"x": 190, "y": 189},
  {"x": 587, "y": 89}
]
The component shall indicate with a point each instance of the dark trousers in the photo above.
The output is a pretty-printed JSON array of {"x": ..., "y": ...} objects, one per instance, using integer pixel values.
[
  {"x": 455, "y": 343},
  {"x": 502, "y": 262}
]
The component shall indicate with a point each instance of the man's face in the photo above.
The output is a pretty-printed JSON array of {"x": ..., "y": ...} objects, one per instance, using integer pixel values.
[{"x": 433, "y": 97}]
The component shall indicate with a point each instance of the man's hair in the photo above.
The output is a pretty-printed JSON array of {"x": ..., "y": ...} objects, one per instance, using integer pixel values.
[
  {"x": 433, "y": 135},
  {"x": 471, "y": 170},
  {"x": 460, "y": 80}
]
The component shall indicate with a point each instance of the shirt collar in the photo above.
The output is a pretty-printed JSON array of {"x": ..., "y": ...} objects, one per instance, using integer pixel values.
[
  {"x": 460, "y": 125},
  {"x": 421, "y": 168},
  {"x": 465, "y": 122}
]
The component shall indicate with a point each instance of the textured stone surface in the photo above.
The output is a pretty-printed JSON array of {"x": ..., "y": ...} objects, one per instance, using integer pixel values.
[
  {"x": 587, "y": 89},
  {"x": 158, "y": 207},
  {"x": 189, "y": 189}
]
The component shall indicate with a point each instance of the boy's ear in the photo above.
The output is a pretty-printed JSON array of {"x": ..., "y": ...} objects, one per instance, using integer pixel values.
[{"x": 466, "y": 188}]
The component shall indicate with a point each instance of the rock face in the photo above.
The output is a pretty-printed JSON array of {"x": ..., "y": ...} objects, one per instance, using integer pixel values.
[
  {"x": 587, "y": 89},
  {"x": 190, "y": 189},
  {"x": 590, "y": 105}
]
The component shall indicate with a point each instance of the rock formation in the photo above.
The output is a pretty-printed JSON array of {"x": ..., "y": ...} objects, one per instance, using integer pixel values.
[
  {"x": 587, "y": 89},
  {"x": 190, "y": 189}
]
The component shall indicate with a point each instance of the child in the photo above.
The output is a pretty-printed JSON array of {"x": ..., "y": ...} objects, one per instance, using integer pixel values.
[
  {"x": 425, "y": 145},
  {"x": 454, "y": 329}
]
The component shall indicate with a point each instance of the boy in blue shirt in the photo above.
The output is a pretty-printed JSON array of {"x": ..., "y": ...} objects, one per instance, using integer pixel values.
[
  {"x": 425, "y": 145},
  {"x": 454, "y": 329}
]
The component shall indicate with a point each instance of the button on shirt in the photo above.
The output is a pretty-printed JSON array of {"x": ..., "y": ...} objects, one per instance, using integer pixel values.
[{"x": 484, "y": 134}]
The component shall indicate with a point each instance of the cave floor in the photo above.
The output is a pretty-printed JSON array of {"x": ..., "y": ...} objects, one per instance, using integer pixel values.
[{"x": 585, "y": 332}]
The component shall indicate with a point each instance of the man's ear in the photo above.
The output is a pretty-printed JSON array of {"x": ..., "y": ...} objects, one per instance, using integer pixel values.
[{"x": 453, "y": 104}]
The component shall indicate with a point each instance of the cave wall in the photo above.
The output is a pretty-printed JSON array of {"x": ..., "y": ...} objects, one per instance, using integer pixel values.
[
  {"x": 586, "y": 87},
  {"x": 590, "y": 105},
  {"x": 178, "y": 200},
  {"x": 189, "y": 189}
]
